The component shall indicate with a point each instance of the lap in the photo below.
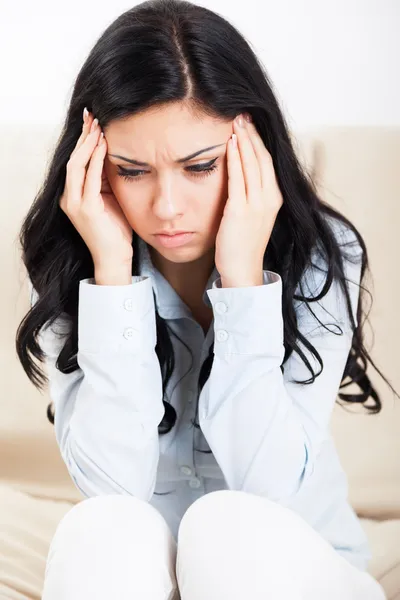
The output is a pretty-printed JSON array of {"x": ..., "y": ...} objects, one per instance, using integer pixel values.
[{"x": 229, "y": 543}]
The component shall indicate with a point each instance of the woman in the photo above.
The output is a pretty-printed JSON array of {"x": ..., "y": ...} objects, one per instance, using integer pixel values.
[{"x": 233, "y": 489}]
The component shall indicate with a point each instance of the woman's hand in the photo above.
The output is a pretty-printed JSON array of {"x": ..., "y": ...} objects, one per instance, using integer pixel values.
[
  {"x": 254, "y": 200},
  {"x": 91, "y": 206}
]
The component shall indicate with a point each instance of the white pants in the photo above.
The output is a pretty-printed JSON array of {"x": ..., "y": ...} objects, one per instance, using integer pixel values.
[{"x": 231, "y": 545}]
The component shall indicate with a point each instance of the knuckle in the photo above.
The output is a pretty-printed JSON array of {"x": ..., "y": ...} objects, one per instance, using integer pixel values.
[
  {"x": 71, "y": 163},
  {"x": 65, "y": 205}
]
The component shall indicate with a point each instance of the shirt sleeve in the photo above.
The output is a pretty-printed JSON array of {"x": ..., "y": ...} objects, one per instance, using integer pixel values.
[
  {"x": 264, "y": 429},
  {"x": 107, "y": 412}
]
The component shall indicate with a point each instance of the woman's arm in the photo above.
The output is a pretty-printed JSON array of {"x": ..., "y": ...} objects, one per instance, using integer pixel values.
[
  {"x": 107, "y": 412},
  {"x": 264, "y": 430}
]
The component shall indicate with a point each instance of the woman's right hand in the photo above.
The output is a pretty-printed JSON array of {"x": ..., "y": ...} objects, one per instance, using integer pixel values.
[{"x": 90, "y": 204}]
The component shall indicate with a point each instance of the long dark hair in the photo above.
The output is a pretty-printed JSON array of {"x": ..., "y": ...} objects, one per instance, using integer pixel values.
[{"x": 165, "y": 51}]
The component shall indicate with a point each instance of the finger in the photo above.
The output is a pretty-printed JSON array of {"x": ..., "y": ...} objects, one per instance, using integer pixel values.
[
  {"x": 249, "y": 160},
  {"x": 236, "y": 184},
  {"x": 85, "y": 130},
  {"x": 77, "y": 164},
  {"x": 83, "y": 136},
  {"x": 93, "y": 179},
  {"x": 263, "y": 156}
]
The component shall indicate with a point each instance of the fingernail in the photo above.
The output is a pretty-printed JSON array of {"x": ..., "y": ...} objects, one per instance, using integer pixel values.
[
  {"x": 248, "y": 118},
  {"x": 239, "y": 120},
  {"x": 94, "y": 125},
  {"x": 85, "y": 114}
]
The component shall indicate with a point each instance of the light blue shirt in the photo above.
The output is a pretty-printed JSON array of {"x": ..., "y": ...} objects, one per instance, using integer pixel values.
[{"x": 268, "y": 435}]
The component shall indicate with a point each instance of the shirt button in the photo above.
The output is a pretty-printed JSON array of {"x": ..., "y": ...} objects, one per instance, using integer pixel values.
[
  {"x": 222, "y": 335},
  {"x": 128, "y": 304},
  {"x": 129, "y": 333},
  {"x": 195, "y": 483},
  {"x": 221, "y": 307},
  {"x": 186, "y": 470}
]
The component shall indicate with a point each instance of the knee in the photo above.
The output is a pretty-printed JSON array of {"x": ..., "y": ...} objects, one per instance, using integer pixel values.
[
  {"x": 111, "y": 516},
  {"x": 218, "y": 514},
  {"x": 108, "y": 541}
]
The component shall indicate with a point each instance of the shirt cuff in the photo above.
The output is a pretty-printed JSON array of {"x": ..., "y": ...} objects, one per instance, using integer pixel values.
[
  {"x": 248, "y": 320},
  {"x": 268, "y": 277},
  {"x": 116, "y": 318}
]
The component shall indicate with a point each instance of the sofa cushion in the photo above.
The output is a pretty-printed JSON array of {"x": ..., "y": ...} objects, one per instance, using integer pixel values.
[
  {"x": 27, "y": 525},
  {"x": 357, "y": 172},
  {"x": 384, "y": 537}
]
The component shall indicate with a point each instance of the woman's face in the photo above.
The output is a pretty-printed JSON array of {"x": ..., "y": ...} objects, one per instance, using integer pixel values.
[{"x": 164, "y": 193}]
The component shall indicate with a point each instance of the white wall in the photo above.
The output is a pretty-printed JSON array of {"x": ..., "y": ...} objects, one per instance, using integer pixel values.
[{"x": 332, "y": 62}]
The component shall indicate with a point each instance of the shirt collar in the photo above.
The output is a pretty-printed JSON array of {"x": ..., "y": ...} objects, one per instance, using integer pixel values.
[{"x": 169, "y": 304}]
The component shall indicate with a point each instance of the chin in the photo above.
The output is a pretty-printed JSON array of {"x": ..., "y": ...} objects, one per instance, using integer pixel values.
[{"x": 181, "y": 254}]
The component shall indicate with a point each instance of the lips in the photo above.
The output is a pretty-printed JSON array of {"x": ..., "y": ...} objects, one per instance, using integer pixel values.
[
  {"x": 172, "y": 234},
  {"x": 173, "y": 241}
]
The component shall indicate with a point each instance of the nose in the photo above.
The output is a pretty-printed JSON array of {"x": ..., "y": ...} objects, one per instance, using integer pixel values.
[{"x": 166, "y": 204}]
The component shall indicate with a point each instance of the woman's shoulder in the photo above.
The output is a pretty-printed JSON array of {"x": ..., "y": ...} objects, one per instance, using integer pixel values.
[
  {"x": 349, "y": 246},
  {"x": 345, "y": 236},
  {"x": 313, "y": 281}
]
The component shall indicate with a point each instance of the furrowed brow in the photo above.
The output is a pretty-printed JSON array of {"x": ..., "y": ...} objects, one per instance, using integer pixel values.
[{"x": 133, "y": 161}]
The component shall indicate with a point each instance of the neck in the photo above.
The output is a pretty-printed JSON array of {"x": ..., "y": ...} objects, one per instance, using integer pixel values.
[{"x": 188, "y": 279}]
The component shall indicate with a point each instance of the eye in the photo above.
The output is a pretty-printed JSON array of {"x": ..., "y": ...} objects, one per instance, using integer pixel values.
[{"x": 199, "y": 170}]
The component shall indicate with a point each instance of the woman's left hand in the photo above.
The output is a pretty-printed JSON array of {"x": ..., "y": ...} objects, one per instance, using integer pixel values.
[{"x": 254, "y": 200}]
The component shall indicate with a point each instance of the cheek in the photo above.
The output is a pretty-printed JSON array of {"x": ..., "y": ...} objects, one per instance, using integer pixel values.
[
  {"x": 137, "y": 219},
  {"x": 213, "y": 202},
  {"x": 123, "y": 194},
  {"x": 221, "y": 191},
  {"x": 119, "y": 185},
  {"x": 122, "y": 189}
]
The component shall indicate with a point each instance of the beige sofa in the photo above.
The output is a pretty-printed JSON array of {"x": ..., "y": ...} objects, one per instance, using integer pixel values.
[{"x": 357, "y": 170}]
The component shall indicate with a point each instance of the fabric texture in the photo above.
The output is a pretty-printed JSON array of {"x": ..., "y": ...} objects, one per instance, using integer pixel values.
[
  {"x": 230, "y": 544},
  {"x": 269, "y": 435}
]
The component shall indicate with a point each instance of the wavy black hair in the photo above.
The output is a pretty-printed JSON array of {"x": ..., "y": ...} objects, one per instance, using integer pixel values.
[{"x": 158, "y": 52}]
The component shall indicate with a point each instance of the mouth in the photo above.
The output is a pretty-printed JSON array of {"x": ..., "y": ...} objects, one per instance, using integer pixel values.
[{"x": 173, "y": 241}]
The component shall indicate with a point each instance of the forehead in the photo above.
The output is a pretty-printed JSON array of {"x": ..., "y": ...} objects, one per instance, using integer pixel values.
[
  {"x": 164, "y": 121},
  {"x": 169, "y": 131}
]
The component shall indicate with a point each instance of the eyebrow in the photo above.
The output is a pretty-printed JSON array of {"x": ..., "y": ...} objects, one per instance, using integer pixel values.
[{"x": 180, "y": 160}]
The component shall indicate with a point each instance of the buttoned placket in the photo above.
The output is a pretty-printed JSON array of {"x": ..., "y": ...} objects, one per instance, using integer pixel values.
[
  {"x": 185, "y": 449},
  {"x": 196, "y": 483}
]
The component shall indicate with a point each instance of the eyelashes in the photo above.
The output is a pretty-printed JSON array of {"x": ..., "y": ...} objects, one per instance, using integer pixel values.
[{"x": 199, "y": 171}]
